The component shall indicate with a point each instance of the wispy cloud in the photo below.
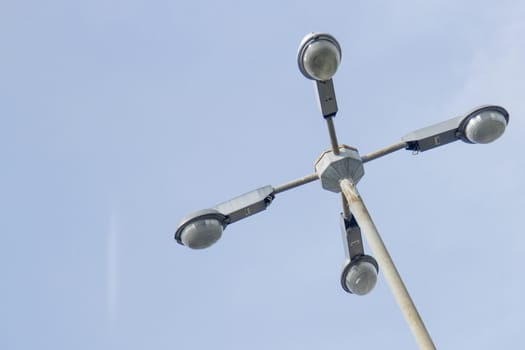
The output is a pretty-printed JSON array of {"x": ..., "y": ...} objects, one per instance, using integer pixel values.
[{"x": 112, "y": 286}]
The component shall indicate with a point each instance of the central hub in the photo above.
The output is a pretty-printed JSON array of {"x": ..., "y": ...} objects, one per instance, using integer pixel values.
[{"x": 332, "y": 168}]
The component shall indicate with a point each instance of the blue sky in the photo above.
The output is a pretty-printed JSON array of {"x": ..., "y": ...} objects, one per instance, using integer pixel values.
[{"x": 120, "y": 117}]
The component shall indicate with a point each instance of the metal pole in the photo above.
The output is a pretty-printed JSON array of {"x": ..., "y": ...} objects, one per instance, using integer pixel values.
[
  {"x": 333, "y": 136},
  {"x": 295, "y": 183},
  {"x": 384, "y": 151},
  {"x": 346, "y": 209},
  {"x": 358, "y": 209},
  {"x": 335, "y": 150}
]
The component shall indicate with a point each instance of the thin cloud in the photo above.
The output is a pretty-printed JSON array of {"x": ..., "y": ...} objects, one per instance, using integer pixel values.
[{"x": 112, "y": 287}]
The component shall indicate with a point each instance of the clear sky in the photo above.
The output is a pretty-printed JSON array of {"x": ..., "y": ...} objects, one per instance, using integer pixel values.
[{"x": 120, "y": 117}]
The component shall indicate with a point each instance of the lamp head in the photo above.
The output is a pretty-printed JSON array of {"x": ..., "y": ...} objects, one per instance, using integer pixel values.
[
  {"x": 204, "y": 227},
  {"x": 201, "y": 229},
  {"x": 360, "y": 275},
  {"x": 484, "y": 124},
  {"x": 319, "y": 56}
]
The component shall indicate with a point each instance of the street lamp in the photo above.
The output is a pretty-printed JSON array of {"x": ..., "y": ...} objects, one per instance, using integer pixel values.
[
  {"x": 360, "y": 271},
  {"x": 203, "y": 228},
  {"x": 339, "y": 169},
  {"x": 481, "y": 125}
]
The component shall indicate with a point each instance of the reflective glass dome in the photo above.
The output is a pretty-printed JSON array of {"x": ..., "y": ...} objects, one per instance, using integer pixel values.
[
  {"x": 201, "y": 233},
  {"x": 485, "y": 127},
  {"x": 319, "y": 56},
  {"x": 361, "y": 277}
]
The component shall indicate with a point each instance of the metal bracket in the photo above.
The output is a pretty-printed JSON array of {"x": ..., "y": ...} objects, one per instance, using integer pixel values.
[
  {"x": 326, "y": 97},
  {"x": 332, "y": 168},
  {"x": 352, "y": 240}
]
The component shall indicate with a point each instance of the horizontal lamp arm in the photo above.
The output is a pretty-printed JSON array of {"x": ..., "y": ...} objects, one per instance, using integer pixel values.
[
  {"x": 384, "y": 151},
  {"x": 295, "y": 183}
]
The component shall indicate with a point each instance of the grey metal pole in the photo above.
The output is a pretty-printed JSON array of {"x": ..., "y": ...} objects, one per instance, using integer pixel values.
[
  {"x": 384, "y": 151},
  {"x": 358, "y": 209},
  {"x": 295, "y": 183},
  {"x": 333, "y": 135}
]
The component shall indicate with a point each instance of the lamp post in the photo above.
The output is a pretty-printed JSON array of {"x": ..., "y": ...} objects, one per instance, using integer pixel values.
[{"x": 339, "y": 169}]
